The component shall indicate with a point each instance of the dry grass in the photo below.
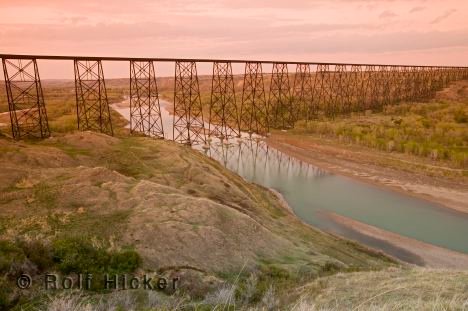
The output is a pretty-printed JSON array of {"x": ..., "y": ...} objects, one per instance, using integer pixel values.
[
  {"x": 387, "y": 290},
  {"x": 392, "y": 289}
]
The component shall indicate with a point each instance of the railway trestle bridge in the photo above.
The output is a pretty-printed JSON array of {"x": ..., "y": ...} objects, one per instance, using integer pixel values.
[{"x": 290, "y": 92}]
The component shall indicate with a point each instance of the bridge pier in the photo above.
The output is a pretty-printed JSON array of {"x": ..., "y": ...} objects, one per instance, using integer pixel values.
[
  {"x": 145, "y": 110},
  {"x": 224, "y": 117},
  {"x": 303, "y": 92},
  {"x": 188, "y": 114},
  {"x": 383, "y": 87},
  {"x": 26, "y": 105},
  {"x": 339, "y": 91},
  {"x": 279, "y": 99},
  {"x": 395, "y": 84},
  {"x": 92, "y": 105},
  {"x": 355, "y": 88},
  {"x": 254, "y": 107},
  {"x": 322, "y": 87}
]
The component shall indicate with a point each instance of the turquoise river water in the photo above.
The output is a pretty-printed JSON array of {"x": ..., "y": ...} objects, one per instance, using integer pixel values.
[{"x": 313, "y": 193}]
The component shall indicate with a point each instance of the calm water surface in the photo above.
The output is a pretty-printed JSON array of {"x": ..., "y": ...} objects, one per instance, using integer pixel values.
[{"x": 311, "y": 191}]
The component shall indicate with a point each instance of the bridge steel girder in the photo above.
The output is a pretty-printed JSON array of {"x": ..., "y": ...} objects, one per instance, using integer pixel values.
[
  {"x": 279, "y": 99},
  {"x": 26, "y": 104},
  {"x": 224, "y": 116},
  {"x": 189, "y": 125},
  {"x": 92, "y": 105},
  {"x": 145, "y": 109},
  {"x": 254, "y": 106}
]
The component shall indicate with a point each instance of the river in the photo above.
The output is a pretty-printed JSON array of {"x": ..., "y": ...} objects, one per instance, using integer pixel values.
[{"x": 313, "y": 193}]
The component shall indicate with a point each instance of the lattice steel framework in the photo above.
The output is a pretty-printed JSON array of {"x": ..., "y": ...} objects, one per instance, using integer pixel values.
[
  {"x": 25, "y": 98},
  {"x": 224, "y": 117},
  {"x": 254, "y": 107},
  {"x": 343, "y": 89},
  {"x": 92, "y": 105},
  {"x": 303, "y": 93},
  {"x": 323, "y": 87},
  {"x": 189, "y": 127},
  {"x": 318, "y": 89},
  {"x": 145, "y": 110},
  {"x": 395, "y": 86},
  {"x": 355, "y": 86},
  {"x": 371, "y": 87},
  {"x": 340, "y": 90},
  {"x": 280, "y": 101}
]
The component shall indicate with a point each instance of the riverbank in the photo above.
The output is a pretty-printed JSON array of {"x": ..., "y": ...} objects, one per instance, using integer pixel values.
[
  {"x": 402, "y": 173},
  {"x": 414, "y": 251},
  {"x": 390, "y": 171},
  {"x": 363, "y": 165},
  {"x": 387, "y": 242}
]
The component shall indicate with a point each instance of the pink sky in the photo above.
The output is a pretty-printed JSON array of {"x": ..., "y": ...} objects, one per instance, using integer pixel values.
[{"x": 370, "y": 31}]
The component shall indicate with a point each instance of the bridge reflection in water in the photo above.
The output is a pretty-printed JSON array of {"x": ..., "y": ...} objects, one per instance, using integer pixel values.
[
  {"x": 314, "y": 195},
  {"x": 256, "y": 161}
]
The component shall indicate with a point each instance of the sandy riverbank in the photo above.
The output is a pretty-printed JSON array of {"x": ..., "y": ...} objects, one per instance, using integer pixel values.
[
  {"x": 410, "y": 250},
  {"x": 362, "y": 166}
]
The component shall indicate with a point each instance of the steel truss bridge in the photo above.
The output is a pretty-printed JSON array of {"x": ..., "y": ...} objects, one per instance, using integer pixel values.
[{"x": 292, "y": 91}]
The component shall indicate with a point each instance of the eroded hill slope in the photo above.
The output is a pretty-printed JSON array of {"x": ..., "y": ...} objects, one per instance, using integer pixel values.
[{"x": 180, "y": 211}]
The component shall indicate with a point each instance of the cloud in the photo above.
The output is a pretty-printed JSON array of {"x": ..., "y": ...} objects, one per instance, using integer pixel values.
[
  {"x": 260, "y": 29},
  {"x": 417, "y": 9},
  {"x": 440, "y": 18},
  {"x": 387, "y": 14},
  {"x": 375, "y": 43}
]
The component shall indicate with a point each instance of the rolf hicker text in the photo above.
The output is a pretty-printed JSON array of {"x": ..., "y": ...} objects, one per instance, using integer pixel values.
[{"x": 109, "y": 281}]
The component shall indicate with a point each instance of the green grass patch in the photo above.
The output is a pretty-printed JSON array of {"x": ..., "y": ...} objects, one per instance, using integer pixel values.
[{"x": 78, "y": 255}]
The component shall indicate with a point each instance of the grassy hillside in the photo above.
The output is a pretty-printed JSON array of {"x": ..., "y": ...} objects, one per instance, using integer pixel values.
[{"x": 152, "y": 206}]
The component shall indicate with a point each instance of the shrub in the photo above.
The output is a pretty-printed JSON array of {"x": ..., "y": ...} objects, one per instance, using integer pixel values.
[
  {"x": 80, "y": 256},
  {"x": 267, "y": 275},
  {"x": 4, "y": 293},
  {"x": 124, "y": 261},
  {"x": 38, "y": 253},
  {"x": 10, "y": 253},
  {"x": 460, "y": 116}
]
